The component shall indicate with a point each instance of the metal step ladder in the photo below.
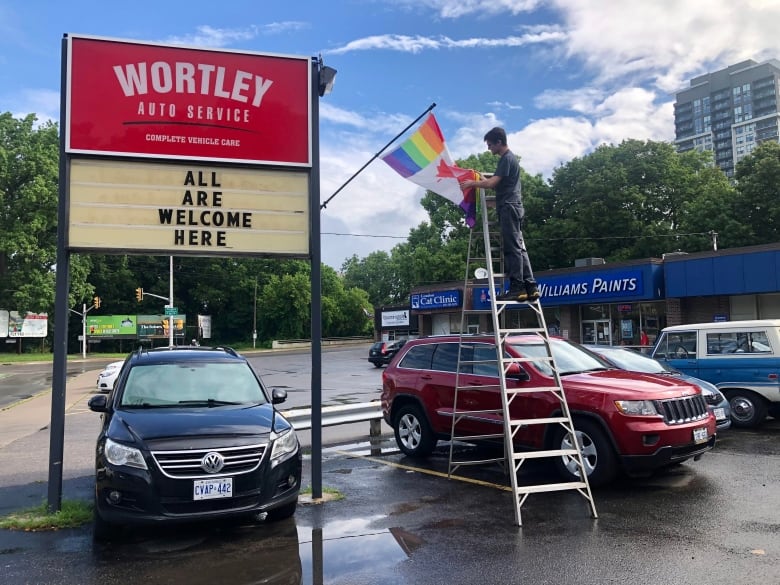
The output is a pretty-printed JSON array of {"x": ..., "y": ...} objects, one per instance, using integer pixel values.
[{"x": 476, "y": 363}]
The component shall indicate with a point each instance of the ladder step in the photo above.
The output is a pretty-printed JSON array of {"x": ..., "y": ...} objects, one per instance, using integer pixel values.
[
  {"x": 456, "y": 412},
  {"x": 519, "y": 360},
  {"x": 480, "y": 387},
  {"x": 457, "y": 463},
  {"x": 523, "y": 330},
  {"x": 468, "y": 438},
  {"x": 551, "y": 487},
  {"x": 534, "y": 389},
  {"x": 542, "y": 454},
  {"x": 538, "y": 421}
]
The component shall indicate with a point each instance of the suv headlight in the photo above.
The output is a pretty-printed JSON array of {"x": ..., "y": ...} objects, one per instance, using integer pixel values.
[
  {"x": 118, "y": 454},
  {"x": 285, "y": 445},
  {"x": 636, "y": 407}
]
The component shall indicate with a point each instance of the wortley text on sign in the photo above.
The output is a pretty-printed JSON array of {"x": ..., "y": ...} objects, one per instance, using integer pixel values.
[
  {"x": 131, "y": 98},
  {"x": 187, "y": 209}
]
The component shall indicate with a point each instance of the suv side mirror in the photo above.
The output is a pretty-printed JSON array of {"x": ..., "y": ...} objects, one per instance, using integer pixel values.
[
  {"x": 278, "y": 395},
  {"x": 98, "y": 403},
  {"x": 515, "y": 372}
]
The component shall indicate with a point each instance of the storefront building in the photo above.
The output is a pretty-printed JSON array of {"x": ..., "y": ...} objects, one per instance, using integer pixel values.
[{"x": 625, "y": 303}]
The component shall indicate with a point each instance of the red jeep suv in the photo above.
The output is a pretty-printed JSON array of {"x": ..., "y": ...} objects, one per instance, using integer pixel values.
[{"x": 625, "y": 421}]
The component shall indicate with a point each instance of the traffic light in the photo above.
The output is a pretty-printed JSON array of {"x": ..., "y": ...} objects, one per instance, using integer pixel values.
[
  {"x": 139, "y": 294},
  {"x": 96, "y": 302}
]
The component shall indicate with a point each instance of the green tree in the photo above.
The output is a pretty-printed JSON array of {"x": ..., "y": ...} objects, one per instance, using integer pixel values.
[
  {"x": 624, "y": 202},
  {"x": 374, "y": 274},
  {"x": 284, "y": 308},
  {"x": 758, "y": 185},
  {"x": 29, "y": 170}
]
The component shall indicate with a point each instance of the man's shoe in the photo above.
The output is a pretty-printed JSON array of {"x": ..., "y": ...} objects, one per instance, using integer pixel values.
[
  {"x": 532, "y": 292},
  {"x": 511, "y": 295}
]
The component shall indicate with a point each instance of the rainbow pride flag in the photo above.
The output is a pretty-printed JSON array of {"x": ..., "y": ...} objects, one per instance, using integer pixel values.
[{"x": 425, "y": 160}]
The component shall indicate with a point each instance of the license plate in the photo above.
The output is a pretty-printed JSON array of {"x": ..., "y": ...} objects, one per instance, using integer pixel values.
[
  {"x": 700, "y": 435},
  {"x": 208, "y": 489},
  {"x": 720, "y": 413}
]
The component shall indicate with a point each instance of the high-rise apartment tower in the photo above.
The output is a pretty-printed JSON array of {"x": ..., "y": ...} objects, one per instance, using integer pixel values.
[{"x": 729, "y": 111}]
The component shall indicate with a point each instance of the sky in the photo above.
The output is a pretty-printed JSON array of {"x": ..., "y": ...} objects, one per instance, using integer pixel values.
[{"x": 561, "y": 76}]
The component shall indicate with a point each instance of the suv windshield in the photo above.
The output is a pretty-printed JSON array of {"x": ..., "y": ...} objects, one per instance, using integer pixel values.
[
  {"x": 627, "y": 359},
  {"x": 569, "y": 358},
  {"x": 191, "y": 384}
]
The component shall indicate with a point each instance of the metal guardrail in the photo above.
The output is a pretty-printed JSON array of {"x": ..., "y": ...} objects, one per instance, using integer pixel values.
[{"x": 341, "y": 414}]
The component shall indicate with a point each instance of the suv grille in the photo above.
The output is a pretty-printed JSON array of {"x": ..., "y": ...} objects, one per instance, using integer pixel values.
[
  {"x": 187, "y": 464},
  {"x": 682, "y": 410}
]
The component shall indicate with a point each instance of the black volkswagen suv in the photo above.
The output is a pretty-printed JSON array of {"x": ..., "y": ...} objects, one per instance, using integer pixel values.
[{"x": 191, "y": 433}]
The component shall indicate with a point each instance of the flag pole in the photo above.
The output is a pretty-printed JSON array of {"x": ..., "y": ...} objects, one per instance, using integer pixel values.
[{"x": 325, "y": 204}]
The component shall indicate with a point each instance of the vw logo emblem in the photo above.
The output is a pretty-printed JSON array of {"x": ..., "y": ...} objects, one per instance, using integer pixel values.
[{"x": 212, "y": 462}]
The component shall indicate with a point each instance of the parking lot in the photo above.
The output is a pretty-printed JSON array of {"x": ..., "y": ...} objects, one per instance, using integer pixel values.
[{"x": 403, "y": 521}]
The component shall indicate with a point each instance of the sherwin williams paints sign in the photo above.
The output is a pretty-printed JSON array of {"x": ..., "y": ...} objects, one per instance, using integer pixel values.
[{"x": 131, "y": 98}]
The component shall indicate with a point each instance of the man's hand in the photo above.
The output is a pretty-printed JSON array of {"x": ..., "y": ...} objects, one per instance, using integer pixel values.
[{"x": 468, "y": 184}]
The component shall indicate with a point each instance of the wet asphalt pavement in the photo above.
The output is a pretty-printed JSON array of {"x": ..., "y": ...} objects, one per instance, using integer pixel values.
[{"x": 713, "y": 521}]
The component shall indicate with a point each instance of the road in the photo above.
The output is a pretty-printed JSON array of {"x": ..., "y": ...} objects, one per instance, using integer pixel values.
[{"x": 347, "y": 376}]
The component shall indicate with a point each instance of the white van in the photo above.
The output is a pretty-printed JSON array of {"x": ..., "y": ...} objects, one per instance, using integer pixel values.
[{"x": 742, "y": 358}]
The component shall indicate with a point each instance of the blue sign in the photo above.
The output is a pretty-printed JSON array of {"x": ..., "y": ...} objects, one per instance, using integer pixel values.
[
  {"x": 436, "y": 300},
  {"x": 481, "y": 297},
  {"x": 596, "y": 286}
]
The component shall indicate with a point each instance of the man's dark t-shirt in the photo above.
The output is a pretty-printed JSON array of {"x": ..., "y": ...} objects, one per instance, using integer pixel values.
[{"x": 508, "y": 189}]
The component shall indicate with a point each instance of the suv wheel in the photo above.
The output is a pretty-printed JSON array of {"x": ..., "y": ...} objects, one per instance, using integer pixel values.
[
  {"x": 598, "y": 457},
  {"x": 412, "y": 432},
  {"x": 748, "y": 410}
]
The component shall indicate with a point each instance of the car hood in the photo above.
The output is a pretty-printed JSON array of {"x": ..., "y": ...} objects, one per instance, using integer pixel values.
[
  {"x": 241, "y": 424},
  {"x": 643, "y": 386}
]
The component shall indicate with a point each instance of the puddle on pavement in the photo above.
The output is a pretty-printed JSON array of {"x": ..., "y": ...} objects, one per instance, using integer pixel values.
[{"x": 275, "y": 553}]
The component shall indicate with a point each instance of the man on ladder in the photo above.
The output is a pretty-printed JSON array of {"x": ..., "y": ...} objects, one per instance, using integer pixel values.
[{"x": 509, "y": 205}]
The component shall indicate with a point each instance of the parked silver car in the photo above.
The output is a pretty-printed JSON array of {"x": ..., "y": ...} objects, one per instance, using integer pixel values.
[{"x": 628, "y": 359}]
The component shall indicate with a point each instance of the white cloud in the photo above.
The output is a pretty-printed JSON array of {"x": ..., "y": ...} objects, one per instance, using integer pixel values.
[
  {"x": 458, "y": 8},
  {"x": 667, "y": 41},
  {"x": 628, "y": 113},
  {"x": 416, "y": 44},
  {"x": 44, "y": 103},
  {"x": 378, "y": 206},
  {"x": 209, "y": 36}
]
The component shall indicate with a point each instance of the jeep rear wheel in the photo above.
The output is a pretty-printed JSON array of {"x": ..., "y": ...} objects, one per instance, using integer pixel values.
[
  {"x": 598, "y": 457},
  {"x": 412, "y": 432},
  {"x": 748, "y": 410}
]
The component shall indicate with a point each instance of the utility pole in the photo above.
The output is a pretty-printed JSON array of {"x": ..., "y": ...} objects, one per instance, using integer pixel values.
[
  {"x": 170, "y": 301},
  {"x": 254, "y": 320},
  {"x": 95, "y": 305}
]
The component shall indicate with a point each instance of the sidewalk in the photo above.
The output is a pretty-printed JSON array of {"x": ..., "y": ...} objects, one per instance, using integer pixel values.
[{"x": 23, "y": 418}]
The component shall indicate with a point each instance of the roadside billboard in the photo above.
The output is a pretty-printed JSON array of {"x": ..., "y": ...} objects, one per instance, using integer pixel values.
[
  {"x": 29, "y": 325},
  {"x": 112, "y": 326},
  {"x": 156, "y": 326}
]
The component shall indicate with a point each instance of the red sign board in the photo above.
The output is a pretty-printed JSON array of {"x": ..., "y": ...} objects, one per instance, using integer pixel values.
[{"x": 134, "y": 99}]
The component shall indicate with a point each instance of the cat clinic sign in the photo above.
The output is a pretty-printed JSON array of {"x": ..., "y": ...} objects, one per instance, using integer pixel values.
[{"x": 183, "y": 150}]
